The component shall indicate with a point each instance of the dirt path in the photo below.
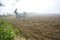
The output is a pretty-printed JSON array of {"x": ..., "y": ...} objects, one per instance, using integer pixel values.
[{"x": 19, "y": 38}]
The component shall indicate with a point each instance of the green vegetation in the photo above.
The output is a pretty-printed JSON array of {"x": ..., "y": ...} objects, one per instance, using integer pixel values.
[{"x": 7, "y": 30}]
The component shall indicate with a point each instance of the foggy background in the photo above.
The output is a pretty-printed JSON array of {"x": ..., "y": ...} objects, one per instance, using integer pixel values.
[{"x": 33, "y": 6}]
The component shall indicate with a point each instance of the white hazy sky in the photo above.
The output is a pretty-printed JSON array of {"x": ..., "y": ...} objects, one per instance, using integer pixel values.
[{"x": 38, "y": 6}]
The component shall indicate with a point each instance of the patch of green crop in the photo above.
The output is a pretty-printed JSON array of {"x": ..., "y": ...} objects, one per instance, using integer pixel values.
[{"x": 7, "y": 30}]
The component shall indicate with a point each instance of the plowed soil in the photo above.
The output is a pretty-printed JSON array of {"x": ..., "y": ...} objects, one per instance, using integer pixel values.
[{"x": 38, "y": 28}]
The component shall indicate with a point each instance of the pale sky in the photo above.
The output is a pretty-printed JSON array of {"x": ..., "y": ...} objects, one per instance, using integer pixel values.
[{"x": 36, "y": 6}]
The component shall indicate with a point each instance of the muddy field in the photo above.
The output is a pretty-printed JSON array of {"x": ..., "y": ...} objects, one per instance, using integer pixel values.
[{"x": 38, "y": 28}]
